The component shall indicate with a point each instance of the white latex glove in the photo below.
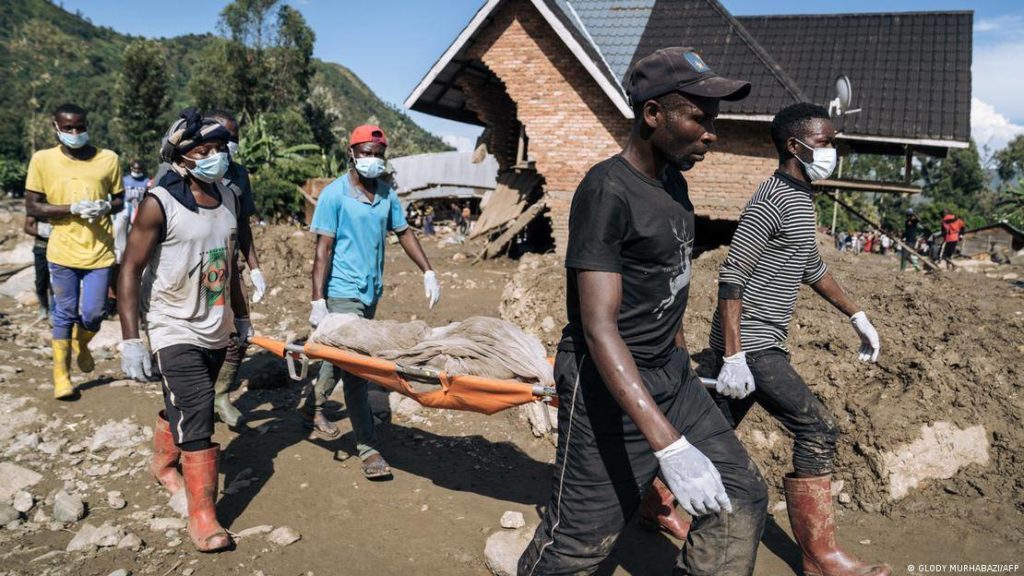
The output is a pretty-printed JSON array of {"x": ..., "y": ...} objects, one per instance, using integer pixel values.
[
  {"x": 318, "y": 313},
  {"x": 870, "y": 345},
  {"x": 97, "y": 208},
  {"x": 735, "y": 379},
  {"x": 135, "y": 361},
  {"x": 243, "y": 327},
  {"x": 81, "y": 208},
  {"x": 259, "y": 285},
  {"x": 431, "y": 287},
  {"x": 693, "y": 479}
]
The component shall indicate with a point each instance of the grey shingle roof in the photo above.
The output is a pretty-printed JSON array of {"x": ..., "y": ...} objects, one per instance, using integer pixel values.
[{"x": 911, "y": 72}]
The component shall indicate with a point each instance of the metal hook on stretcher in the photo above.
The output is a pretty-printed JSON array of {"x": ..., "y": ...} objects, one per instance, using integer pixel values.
[{"x": 295, "y": 353}]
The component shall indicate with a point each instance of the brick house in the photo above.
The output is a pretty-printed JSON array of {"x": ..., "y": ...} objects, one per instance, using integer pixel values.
[{"x": 544, "y": 77}]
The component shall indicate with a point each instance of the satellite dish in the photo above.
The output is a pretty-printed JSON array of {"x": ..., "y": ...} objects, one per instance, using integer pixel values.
[{"x": 844, "y": 92}]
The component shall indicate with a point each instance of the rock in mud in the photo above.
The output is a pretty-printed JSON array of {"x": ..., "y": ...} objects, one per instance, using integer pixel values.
[
  {"x": 284, "y": 536},
  {"x": 503, "y": 549},
  {"x": 513, "y": 520},
  {"x": 14, "y": 478},
  {"x": 68, "y": 507},
  {"x": 23, "y": 501}
]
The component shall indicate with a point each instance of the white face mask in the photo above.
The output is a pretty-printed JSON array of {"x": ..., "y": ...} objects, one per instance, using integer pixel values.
[{"x": 822, "y": 165}]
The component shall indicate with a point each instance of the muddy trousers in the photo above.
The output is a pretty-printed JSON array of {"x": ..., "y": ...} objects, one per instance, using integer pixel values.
[
  {"x": 604, "y": 465},
  {"x": 362, "y": 398},
  {"x": 188, "y": 373},
  {"x": 78, "y": 296},
  {"x": 784, "y": 394}
]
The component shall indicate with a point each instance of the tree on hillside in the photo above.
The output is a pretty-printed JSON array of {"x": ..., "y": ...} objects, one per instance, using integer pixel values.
[
  {"x": 143, "y": 100},
  {"x": 1010, "y": 160},
  {"x": 956, "y": 180}
]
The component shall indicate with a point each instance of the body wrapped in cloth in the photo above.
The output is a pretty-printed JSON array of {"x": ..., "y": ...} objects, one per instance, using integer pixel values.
[{"x": 478, "y": 346}]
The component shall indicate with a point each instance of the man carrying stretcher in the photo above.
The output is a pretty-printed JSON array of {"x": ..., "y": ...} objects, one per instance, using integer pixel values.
[
  {"x": 352, "y": 218},
  {"x": 630, "y": 407}
]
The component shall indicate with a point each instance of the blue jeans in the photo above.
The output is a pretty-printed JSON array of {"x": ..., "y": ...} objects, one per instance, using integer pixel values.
[
  {"x": 79, "y": 297},
  {"x": 357, "y": 398}
]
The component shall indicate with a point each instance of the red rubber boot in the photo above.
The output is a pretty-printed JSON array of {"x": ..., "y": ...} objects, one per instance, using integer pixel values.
[
  {"x": 658, "y": 512},
  {"x": 200, "y": 468},
  {"x": 809, "y": 503},
  {"x": 164, "y": 465}
]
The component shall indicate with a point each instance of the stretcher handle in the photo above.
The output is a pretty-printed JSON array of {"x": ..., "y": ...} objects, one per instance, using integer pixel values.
[{"x": 709, "y": 383}]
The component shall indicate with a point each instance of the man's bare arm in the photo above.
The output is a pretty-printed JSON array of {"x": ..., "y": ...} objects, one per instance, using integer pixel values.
[
  {"x": 37, "y": 207},
  {"x": 600, "y": 298},
  {"x": 321, "y": 265},
  {"x": 832, "y": 292},
  {"x": 246, "y": 245},
  {"x": 142, "y": 239},
  {"x": 729, "y": 312}
]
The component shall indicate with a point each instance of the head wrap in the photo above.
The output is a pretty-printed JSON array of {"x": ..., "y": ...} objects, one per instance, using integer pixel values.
[{"x": 191, "y": 129}]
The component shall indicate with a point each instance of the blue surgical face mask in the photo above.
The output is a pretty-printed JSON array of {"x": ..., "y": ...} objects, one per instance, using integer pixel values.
[
  {"x": 370, "y": 167},
  {"x": 211, "y": 168},
  {"x": 73, "y": 141}
]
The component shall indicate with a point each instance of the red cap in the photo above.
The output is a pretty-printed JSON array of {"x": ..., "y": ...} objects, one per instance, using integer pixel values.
[{"x": 367, "y": 133}]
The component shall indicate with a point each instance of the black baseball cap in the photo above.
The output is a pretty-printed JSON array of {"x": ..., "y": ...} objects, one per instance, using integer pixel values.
[{"x": 679, "y": 69}]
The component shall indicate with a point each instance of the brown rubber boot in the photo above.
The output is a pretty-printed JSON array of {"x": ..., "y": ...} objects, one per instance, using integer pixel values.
[
  {"x": 658, "y": 512},
  {"x": 809, "y": 503},
  {"x": 164, "y": 466},
  {"x": 200, "y": 468}
]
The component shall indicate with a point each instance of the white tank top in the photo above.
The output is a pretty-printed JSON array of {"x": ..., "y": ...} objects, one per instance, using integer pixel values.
[{"x": 185, "y": 296}]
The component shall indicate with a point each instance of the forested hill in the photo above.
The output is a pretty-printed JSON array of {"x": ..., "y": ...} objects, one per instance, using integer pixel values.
[{"x": 49, "y": 56}]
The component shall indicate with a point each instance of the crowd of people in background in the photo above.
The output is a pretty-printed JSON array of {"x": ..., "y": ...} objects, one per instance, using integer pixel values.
[{"x": 942, "y": 245}]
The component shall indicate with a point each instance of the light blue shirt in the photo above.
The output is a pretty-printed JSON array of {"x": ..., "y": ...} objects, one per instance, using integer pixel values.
[{"x": 359, "y": 228}]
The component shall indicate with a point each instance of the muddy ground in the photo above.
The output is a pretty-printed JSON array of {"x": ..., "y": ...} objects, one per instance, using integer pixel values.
[{"x": 456, "y": 473}]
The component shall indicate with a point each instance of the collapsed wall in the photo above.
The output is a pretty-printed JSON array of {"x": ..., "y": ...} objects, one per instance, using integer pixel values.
[{"x": 934, "y": 427}]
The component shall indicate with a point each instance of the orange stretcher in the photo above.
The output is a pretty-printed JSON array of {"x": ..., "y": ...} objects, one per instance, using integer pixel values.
[{"x": 453, "y": 391}]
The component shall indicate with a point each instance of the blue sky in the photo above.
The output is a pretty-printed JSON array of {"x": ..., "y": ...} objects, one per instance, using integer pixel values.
[{"x": 391, "y": 44}]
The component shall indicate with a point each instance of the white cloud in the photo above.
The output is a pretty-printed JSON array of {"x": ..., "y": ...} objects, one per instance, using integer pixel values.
[
  {"x": 990, "y": 128},
  {"x": 997, "y": 77},
  {"x": 1007, "y": 23},
  {"x": 460, "y": 143}
]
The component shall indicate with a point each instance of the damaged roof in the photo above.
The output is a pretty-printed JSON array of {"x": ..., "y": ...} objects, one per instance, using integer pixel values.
[{"x": 911, "y": 72}]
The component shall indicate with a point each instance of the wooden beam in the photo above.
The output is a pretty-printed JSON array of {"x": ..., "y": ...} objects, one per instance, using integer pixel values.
[
  {"x": 868, "y": 186},
  {"x": 495, "y": 246}
]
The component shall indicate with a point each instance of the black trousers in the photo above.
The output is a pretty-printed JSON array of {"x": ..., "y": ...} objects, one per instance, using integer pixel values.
[
  {"x": 188, "y": 374},
  {"x": 784, "y": 394},
  {"x": 604, "y": 465},
  {"x": 42, "y": 269}
]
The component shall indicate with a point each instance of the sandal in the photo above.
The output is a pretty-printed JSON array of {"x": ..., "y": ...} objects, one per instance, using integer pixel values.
[
  {"x": 376, "y": 468},
  {"x": 321, "y": 426}
]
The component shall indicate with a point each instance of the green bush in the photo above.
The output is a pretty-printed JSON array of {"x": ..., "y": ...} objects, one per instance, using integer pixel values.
[{"x": 12, "y": 175}]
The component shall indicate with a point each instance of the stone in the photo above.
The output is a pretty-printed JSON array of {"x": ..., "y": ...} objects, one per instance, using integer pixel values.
[
  {"x": 255, "y": 531},
  {"x": 547, "y": 324},
  {"x": 8, "y": 514},
  {"x": 283, "y": 536},
  {"x": 20, "y": 285},
  {"x": 107, "y": 535},
  {"x": 503, "y": 549},
  {"x": 120, "y": 572},
  {"x": 165, "y": 524},
  {"x": 845, "y": 498},
  {"x": 123, "y": 434},
  {"x": 940, "y": 452},
  {"x": 94, "y": 471},
  {"x": 116, "y": 500},
  {"x": 83, "y": 540},
  {"x": 513, "y": 520},
  {"x": 14, "y": 478},
  {"x": 23, "y": 501},
  {"x": 130, "y": 542},
  {"x": 179, "y": 503},
  {"x": 188, "y": 572},
  {"x": 174, "y": 543},
  {"x": 68, "y": 507}
]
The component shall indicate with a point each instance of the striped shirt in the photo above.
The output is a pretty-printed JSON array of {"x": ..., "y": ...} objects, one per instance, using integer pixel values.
[{"x": 773, "y": 251}]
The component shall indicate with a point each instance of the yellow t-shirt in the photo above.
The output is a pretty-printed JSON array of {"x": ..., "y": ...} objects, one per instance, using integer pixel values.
[{"x": 75, "y": 242}]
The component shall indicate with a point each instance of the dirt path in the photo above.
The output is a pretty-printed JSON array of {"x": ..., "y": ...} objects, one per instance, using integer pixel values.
[{"x": 455, "y": 472}]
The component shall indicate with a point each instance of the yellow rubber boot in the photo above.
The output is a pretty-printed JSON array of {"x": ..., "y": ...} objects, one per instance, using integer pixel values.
[
  {"x": 62, "y": 387},
  {"x": 80, "y": 338}
]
